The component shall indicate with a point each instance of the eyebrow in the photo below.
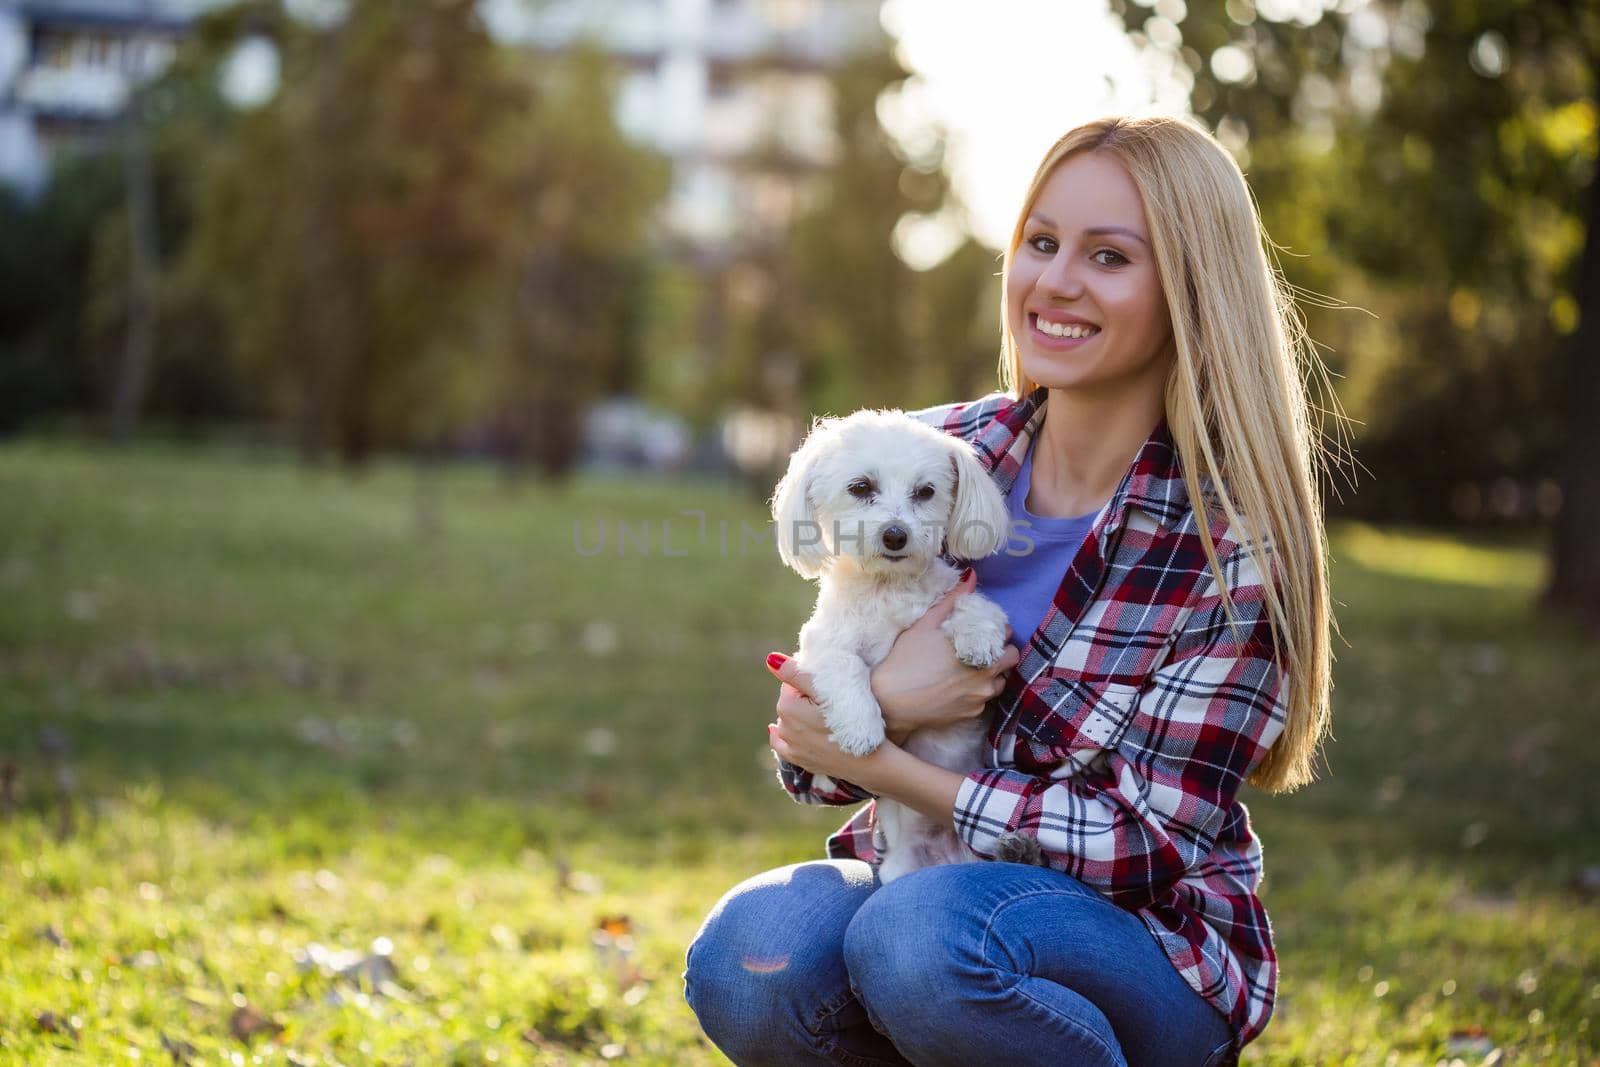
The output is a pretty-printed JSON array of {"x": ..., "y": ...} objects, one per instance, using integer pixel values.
[{"x": 1096, "y": 231}]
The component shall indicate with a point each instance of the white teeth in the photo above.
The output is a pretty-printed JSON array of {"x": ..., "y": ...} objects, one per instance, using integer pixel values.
[{"x": 1058, "y": 329}]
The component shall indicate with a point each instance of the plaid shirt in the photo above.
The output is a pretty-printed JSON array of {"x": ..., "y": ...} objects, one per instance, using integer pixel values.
[{"x": 1122, "y": 737}]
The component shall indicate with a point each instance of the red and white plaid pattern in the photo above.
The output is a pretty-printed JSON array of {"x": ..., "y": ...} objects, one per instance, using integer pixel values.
[{"x": 1122, "y": 737}]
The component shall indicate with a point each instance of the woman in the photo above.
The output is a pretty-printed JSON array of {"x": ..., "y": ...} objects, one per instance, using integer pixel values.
[{"x": 1176, "y": 610}]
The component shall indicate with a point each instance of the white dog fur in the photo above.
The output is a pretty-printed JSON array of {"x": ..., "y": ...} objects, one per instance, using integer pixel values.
[{"x": 850, "y": 486}]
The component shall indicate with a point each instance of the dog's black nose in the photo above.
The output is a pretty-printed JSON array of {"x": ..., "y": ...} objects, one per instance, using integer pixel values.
[{"x": 894, "y": 538}]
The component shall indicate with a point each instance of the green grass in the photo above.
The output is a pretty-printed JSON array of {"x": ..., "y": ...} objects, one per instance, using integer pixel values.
[{"x": 294, "y": 721}]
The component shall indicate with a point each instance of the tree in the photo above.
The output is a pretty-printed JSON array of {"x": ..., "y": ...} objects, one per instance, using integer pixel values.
[
  {"x": 866, "y": 327},
  {"x": 348, "y": 227},
  {"x": 579, "y": 205},
  {"x": 44, "y": 264},
  {"x": 423, "y": 230},
  {"x": 1439, "y": 160}
]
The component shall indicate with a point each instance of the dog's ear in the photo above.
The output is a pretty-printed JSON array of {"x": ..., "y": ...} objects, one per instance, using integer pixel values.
[
  {"x": 799, "y": 535},
  {"x": 979, "y": 521}
]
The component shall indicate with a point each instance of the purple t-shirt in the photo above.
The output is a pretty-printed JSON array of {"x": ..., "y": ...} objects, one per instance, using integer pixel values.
[{"x": 1024, "y": 575}]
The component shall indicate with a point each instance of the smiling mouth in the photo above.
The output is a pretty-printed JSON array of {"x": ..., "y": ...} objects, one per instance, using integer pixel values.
[{"x": 1067, "y": 332}]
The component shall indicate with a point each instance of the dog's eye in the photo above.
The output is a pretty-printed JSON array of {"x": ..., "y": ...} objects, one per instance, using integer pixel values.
[
  {"x": 923, "y": 493},
  {"x": 860, "y": 488}
]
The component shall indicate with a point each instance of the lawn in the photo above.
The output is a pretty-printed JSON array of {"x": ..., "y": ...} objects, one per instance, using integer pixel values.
[{"x": 298, "y": 782}]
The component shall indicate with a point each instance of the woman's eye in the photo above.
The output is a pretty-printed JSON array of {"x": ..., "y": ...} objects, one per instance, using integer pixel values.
[
  {"x": 859, "y": 489},
  {"x": 923, "y": 493},
  {"x": 1043, "y": 242},
  {"x": 1117, "y": 259}
]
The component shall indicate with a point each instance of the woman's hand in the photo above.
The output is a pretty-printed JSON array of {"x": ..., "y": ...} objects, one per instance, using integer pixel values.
[
  {"x": 800, "y": 736},
  {"x": 921, "y": 683}
]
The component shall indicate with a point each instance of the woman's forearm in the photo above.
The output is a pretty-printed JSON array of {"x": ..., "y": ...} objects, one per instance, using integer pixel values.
[{"x": 895, "y": 773}]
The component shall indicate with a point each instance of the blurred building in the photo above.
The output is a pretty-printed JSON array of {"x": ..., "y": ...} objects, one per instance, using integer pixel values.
[
  {"x": 66, "y": 69},
  {"x": 738, "y": 95},
  {"x": 735, "y": 92}
]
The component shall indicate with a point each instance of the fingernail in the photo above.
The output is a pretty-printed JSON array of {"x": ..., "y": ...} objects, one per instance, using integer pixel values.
[
  {"x": 965, "y": 574},
  {"x": 776, "y": 660}
]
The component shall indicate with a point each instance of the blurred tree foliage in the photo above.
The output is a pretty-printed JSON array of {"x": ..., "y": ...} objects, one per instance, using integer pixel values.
[
  {"x": 44, "y": 267},
  {"x": 868, "y": 328},
  {"x": 189, "y": 378},
  {"x": 65, "y": 277},
  {"x": 419, "y": 231},
  {"x": 1433, "y": 164},
  {"x": 345, "y": 228},
  {"x": 446, "y": 236},
  {"x": 577, "y": 226},
  {"x": 829, "y": 316}
]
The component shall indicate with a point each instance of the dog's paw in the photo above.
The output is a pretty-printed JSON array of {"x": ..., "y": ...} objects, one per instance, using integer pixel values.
[
  {"x": 977, "y": 648},
  {"x": 855, "y": 722},
  {"x": 1017, "y": 847},
  {"x": 857, "y": 738},
  {"x": 977, "y": 630}
]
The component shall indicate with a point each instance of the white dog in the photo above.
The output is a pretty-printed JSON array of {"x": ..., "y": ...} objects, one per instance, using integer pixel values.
[{"x": 867, "y": 505}]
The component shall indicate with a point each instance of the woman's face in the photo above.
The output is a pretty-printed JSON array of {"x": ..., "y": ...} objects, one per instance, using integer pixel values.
[{"x": 1082, "y": 298}]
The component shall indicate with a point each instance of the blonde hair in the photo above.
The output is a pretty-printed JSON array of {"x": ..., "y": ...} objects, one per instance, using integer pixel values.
[{"x": 1236, "y": 403}]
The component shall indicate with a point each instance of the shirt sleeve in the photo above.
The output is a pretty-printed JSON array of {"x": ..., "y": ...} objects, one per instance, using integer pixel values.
[
  {"x": 1137, "y": 820},
  {"x": 808, "y": 788}
]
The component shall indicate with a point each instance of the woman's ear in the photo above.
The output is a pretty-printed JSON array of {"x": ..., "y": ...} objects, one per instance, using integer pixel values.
[
  {"x": 799, "y": 535},
  {"x": 979, "y": 521}
]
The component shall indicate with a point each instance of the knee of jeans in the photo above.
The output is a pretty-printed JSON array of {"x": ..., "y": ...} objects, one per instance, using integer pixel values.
[
  {"x": 736, "y": 997},
  {"x": 905, "y": 948}
]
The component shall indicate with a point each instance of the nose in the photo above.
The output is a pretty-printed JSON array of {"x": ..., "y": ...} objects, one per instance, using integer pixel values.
[
  {"x": 894, "y": 537},
  {"x": 1060, "y": 277}
]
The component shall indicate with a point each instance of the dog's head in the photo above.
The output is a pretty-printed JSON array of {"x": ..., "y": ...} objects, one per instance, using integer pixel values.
[{"x": 882, "y": 492}]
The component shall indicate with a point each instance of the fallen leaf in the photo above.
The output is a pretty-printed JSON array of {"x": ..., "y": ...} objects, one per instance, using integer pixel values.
[
  {"x": 576, "y": 881},
  {"x": 247, "y": 1023},
  {"x": 82, "y": 606},
  {"x": 615, "y": 925},
  {"x": 372, "y": 971},
  {"x": 1473, "y": 1041},
  {"x": 600, "y": 742},
  {"x": 599, "y": 639},
  {"x": 614, "y": 947}
]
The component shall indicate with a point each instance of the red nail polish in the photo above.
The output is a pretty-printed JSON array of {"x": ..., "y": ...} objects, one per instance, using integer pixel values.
[
  {"x": 776, "y": 660},
  {"x": 965, "y": 575}
]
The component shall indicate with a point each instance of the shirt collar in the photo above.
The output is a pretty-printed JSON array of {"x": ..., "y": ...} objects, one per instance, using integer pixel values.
[{"x": 1153, "y": 483}]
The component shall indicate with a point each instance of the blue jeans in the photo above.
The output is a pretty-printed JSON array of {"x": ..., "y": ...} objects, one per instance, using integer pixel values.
[{"x": 969, "y": 964}]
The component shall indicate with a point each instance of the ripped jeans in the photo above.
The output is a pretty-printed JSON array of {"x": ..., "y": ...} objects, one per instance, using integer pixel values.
[{"x": 967, "y": 964}]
